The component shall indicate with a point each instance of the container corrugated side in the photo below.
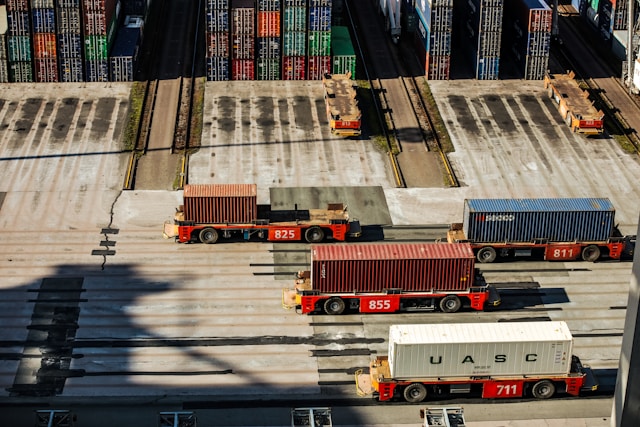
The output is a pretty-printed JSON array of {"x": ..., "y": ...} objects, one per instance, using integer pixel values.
[
  {"x": 220, "y": 203},
  {"x": 409, "y": 267},
  {"x": 525, "y": 220},
  {"x": 479, "y": 349}
]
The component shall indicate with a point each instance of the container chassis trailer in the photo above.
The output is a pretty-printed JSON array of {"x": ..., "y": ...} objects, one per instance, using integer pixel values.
[
  {"x": 465, "y": 369},
  {"x": 563, "y": 229},
  {"x": 214, "y": 211}
]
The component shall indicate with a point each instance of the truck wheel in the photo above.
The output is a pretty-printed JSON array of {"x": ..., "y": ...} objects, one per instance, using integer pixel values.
[
  {"x": 209, "y": 235},
  {"x": 543, "y": 389},
  {"x": 486, "y": 255},
  {"x": 314, "y": 235},
  {"x": 415, "y": 393},
  {"x": 334, "y": 305},
  {"x": 450, "y": 304},
  {"x": 591, "y": 253}
]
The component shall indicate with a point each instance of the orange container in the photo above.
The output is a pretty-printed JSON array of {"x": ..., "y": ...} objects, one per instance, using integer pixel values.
[
  {"x": 44, "y": 45},
  {"x": 268, "y": 24}
]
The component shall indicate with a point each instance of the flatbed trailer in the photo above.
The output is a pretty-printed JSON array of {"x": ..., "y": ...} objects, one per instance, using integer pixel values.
[
  {"x": 573, "y": 104},
  {"x": 212, "y": 212},
  {"x": 343, "y": 112}
]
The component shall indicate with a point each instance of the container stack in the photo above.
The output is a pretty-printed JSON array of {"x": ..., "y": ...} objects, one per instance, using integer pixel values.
[
  {"x": 294, "y": 34},
  {"x": 344, "y": 57},
  {"x": 124, "y": 55},
  {"x": 100, "y": 24},
  {"x": 486, "y": 29},
  {"x": 433, "y": 38},
  {"x": 530, "y": 36},
  {"x": 243, "y": 38},
  {"x": 19, "y": 42},
  {"x": 319, "y": 40},
  {"x": 69, "y": 37},
  {"x": 268, "y": 62},
  {"x": 44, "y": 41},
  {"x": 217, "y": 40},
  {"x": 4, "y": 65}
]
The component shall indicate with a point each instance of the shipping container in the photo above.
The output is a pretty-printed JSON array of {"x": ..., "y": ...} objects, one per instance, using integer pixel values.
[
  {"x": 213, "y": 203},
  {"x": 43, "y": 20},
  {"x": 71, "y": 69},
  {"x": 20, "y": 72},
  {"x": 242, "y": 21},
  {"x": 268, "y": 47},
  {"x": 69, "y": 45},
  {"x": 465, "y": 350},
  {"x": 294, "y": 19},
  {"x": 68, "y": 20},
  {"x": 217, "y": 21},
  {"x": 525, "y": 220},
  {"x": 19, "y": 48},
  {"x": 218, "y": 68},
  {"x": 404, "y": 267},
  {"x": 46, "y": 70},
  {"x": 318, "y": 67},
  {"x": 344, "y": 57},
  {"x": 319, "y": 18},
  {"x": 44, "y": 45},
  {"x": 217, "y": 44},
  {"x": 243, "y": 69},
  {"x": 293, "y": 68},
  {"x": 97, "y": 70},
  {"x": 268, "y": 69},
  {"x": 268, "y": 24},
  {"x": 294, "y": 43},
  {"x": 124, "y": 55},
  {"x": 319, "y": 43}
]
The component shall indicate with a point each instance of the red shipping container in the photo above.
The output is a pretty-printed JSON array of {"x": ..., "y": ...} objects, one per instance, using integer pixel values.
[
  {"x": 220, "y": 203},
  {"x": 425, "y": 267},
  {"x": 268, "y": 24},
  {"x": 243, "y": 69},
  {"x": 217, "y": 44},
  {"x": 44, "y": 45},
  {"x": 46, "y": 70},
  {"x": 318, "y": 66},
  {"x": 293, "y": 68}
]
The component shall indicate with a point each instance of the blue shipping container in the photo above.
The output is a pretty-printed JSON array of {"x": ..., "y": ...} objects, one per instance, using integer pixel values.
[{"x": 525, "y": 220}]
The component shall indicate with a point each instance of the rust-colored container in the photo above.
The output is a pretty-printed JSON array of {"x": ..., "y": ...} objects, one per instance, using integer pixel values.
[
  {"x": 44, "y": 45},
  {"x": 409, "y": 267},
  {"x": 220, "y": 203},
  {"x": 268, "y": 24}
]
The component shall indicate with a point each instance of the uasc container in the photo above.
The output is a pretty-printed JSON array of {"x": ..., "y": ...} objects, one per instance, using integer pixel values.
[
  {"x": 217, "y": 204},
  {"x": 479, "y": 349},
  {"x": 403, "y": 267},
  {"x": 526, "y": 220}
]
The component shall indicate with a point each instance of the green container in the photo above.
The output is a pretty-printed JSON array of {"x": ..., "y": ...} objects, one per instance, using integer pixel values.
[
  {"x": 19, "y": 48},
  {"x": 294, "y": 18},
  {"x": 294, "y": 43},
  {"x": 319, "y": 43},
  {"x": 268, "y": 69},
  {"x": 342, "y": 52}
]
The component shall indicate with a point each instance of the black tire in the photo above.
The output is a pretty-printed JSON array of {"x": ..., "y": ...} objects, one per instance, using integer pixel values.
[
  {"x": 591, "y": 253},
  {"x": 450, "y": 304},
  {"x": 415, "y": 393},
  {"x": 543, "y": 389},
  {"x": 314, "y": 234},
  {"x": 334, "y": 306},
  {"x": 486, "y": 255},
  {"x": 208, "y": 235}
]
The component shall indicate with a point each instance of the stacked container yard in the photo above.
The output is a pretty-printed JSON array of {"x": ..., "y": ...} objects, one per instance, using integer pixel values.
[
  {"x": 44, "y": 41},
  {"x": 19, "y": 57},
  {"x": 124, "y": 55},
  {"x": 485, "y": 18},
  {"x": 530, "y": 36},
  {"x": 100, "y": 24},
  {"x": 4, "y": 64},
  {"x": 319, "y": 39},
  {"x": 433, "y": 38},
  {"x": 69, "y": 37},
  {"x": 294, "y": 33},
  {"x": 243, "y": 38},
  {"x": 342, "y": 52},
  {"x": 217, "y": 40},
  {"x": 268, "y": 62}
]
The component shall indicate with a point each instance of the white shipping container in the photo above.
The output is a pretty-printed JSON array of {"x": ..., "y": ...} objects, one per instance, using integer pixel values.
[{"x": 479, "y": 349}]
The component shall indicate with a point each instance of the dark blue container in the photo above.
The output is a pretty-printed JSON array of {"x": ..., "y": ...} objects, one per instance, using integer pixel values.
[
  {"x": 526, "y": 220},
  {"x": 44, "y": 20}
]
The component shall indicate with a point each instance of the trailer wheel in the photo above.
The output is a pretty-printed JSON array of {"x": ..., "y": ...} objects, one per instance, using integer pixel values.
[
  {"x": 591, "y": 253},
  {"x": 415, "y": 393},
  {"x": 543, "y": 389},
  {"x": 334, "y": 305},
  {"x": 314, "y": 235},
  {"x": 450, "y": 304},
  {"x": 486, "y": 255},
  {"x": 209, "y": 235}
]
